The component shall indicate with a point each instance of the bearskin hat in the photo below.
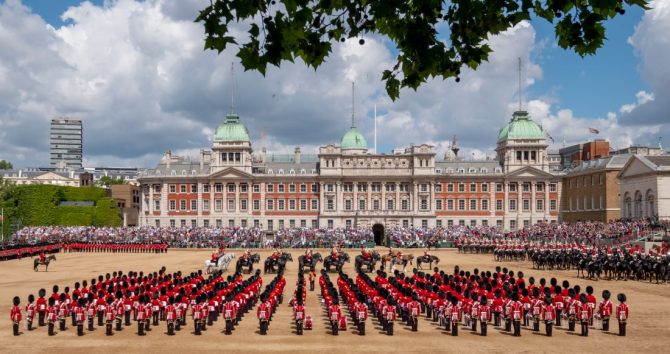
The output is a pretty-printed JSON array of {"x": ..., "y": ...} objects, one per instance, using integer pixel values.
[
  {"x": 621, "y": 297},
  {"x": 31, "y": 298},
  {"x": 16, "y": 301}
]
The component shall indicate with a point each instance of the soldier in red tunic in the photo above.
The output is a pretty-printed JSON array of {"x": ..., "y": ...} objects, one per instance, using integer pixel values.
[
  {"x": 41, "y": 307},
  {"x": 51, "y": 314},
  {"x": 15, "y": 315},
  {"x": 605, "y": 310},
  {"x": 517, "y": 314},
  {"x": 229, "y": 314},
  {"x": 140, "y": 316},
  {"x": 110, "y": 314},
  {"x": 622, "y": 313},
  {"x": 548, "y": 315},
  {"x": 334, "y": 315},
  {"x": 263, "y": 314},
  {"x": 79, "y": 314},
  {"x": 484, "y": 313},
  {"x": 30, "y": 311},
  {"x": 299, "y": 311},
  {"x": 170, "y": 316},
  {"x": 390, "y": 316},
  {"x": 414, "y": 310},
  {"x": 584, "y": 314}
]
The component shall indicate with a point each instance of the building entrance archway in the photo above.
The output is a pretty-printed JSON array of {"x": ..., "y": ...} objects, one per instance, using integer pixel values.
[{"x": 378, "y": 231}]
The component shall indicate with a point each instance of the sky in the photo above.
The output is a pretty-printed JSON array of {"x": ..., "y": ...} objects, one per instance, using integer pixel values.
[{"x": 136, "y": 73}]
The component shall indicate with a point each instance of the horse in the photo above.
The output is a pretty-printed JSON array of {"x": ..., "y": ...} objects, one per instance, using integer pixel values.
[
  {"x": 342, "y": 257},
  {"x": 247, "y": 262},
  {"x": 280, "y": 263},
  {"x": 47, "y": 260},
  {"x": 221, "y": 264},
  {"x": 303, "y": 262},
  {"x": 430, "y": 259},
  {"x": 393, "y": 260},
  {"x": 361, "y": 261}
]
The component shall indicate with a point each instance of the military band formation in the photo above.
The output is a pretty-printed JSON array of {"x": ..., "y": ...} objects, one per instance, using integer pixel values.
[{"x": 466, "y": 300}]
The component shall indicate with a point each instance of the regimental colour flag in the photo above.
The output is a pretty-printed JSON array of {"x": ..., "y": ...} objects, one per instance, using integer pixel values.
[{"x": 594, "y": 131}]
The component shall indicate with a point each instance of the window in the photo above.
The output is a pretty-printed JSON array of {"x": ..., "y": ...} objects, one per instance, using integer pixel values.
[
  {"x": 376, "y": 187},
  {"x": 461, "y": 187},
  {"x": 389, "y": 204},
  {"x": 347, "y": 224},
  {"x": 526, "y": 204},
  {"x": 552, "y": 205},
  {"x": 257, "y": 204},
  {"x": 438, "y": 204},
  {"x": 280, "y": 188},
  {"x": 539, "y": 205},
  {"x": 424, "y": 187},
  {"x": 330, "y": 204},
  {"x": 205, "y": 204},
  {"x": 194, "y": 224},
  {"x": 499, "y": 187},
  {"x": 182, "y": 205},
  {"x": 473, "y": 223},
  {"x": 194, "y": 204},
  {"x": 485, "y": 187},
  {"x": 231, "y": 188},
  {"x": 375, "y": 204},
  {"x": 256, "y": 188},
  {"x": 362, "y": 187},
  {"x": 244, "y": 188},
  {"x": 438, "y": 223},
  {"x": 315, "y": 204},
  {"x": 424, "y": 204},
  {"x": 450, "y": 187},
  {"x": 405, "y": 223},
  {"x": 243, "y": 222},
  {"x": 173, "y": 205},
  {"x": 404, "y": 204},
  {"x": 291, "y": 223},
  {"x": 219, "y": 223},
  {"x": 231, "y": 223},
  {"x": 291, "y": 188},
  {"x": 172, "y": 224},
  {"x": 157, "y": 205},
  {"x": 473, "y": 204},
  {"x": 499, "y": 224},
  {"x": 499, "y": 204},
  {"x": 450, "y": 223},
  {"x": 330, "y": 223},
  {"x": 182, "y": 223},
  {"x": 390, "y": 187},
  {"x": 526, "y": 187},
  {"x": 404, "y": 187},
  {"x": 347, "y": 205},
  {"x": 218, "y": 188},
  {"x": 348, "y": 187},
  {"x": 539, "y": 187},
  {"x": 526, "y": 223},
  {"x": 361, "y": 204},
  {"x": 194, "y": 188},
  {"x": 158, "y": 223},
  {"x": 243, "y": 204},
  {"x": 218, "y": 204},
  {"x": 303, "y": 204},
  {"x": 329, "y": 187},
  {"x": 173, "y": 188},
  {"x": 473, "y": 187},
  {"x": 315, "y": 188},
  {"x": 270, "y": 187},
  {"x": 512, "y": 187},
  {"x": 231, "y": 204},
  {"x": 303, "y": 188},
  {"x": 602, "y": 179},
  {"x": 314, "y": 224},
  {"x": 552, "y": 187},
  {"x": 281, "y": 204},
  {"x": 424, "y": 224},
  {"x": 257, "y": 224},
  {"x": 438, "y": 187},
  {"x": 182, "y": 188},
  {"x": 303, "y": 223},
  {"x": 512, "y": 204},
  {"x": 512, "y": 224},
  {"x": 485, "y": 223},
  {"x": 461, "y": 222},
  {"x": 205, "y": 188},
  {"x": 485, "y": 204},
  {"x": 157, "y": 188},
  {"x": 269, "y": 204},
  {"x": 291, "y": 204},
  {"x": 461, "y": 204},
  {"x": 270, "y": 225},
  {"x": 450, "y": 204}
]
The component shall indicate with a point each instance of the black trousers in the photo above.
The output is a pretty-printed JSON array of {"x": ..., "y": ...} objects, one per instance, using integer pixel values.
[{"x": 622, "y": 329}]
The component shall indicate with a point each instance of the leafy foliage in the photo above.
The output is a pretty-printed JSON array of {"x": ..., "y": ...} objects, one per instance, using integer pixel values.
[
  {"x": 106, "y": 181},
  {"x": 6, "y": 165},
  {"x": 286, "y": 30}
]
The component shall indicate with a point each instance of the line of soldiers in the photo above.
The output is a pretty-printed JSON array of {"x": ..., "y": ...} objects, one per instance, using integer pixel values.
[
  {"x": 355, "y": 300},
  {"x": 115, "y": 247},
  {"x": 331, "y": 303},
  {"x": 271, "y": 297},
  {"x": 18, "y": 252},
  {"x": 379, "y": 300},
  {"x": 148, "y": 299},
  {"x": 302, "y": 321}
]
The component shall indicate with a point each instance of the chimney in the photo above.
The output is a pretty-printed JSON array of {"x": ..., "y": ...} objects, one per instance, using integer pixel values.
[
  {"x": 168, "y": 158},
  {"x": 297, "y": 154},
  {"x": 202, "y": 159}
]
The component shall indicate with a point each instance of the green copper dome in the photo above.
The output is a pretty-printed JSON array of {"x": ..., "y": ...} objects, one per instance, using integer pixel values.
[
  {"x": 231, "y": 130},
  {"x": 354, "y": 140},
  {"x": 521, "y": 126}
]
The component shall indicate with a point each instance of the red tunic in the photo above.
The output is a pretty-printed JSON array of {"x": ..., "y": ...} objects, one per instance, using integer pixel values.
[
  {"x": 15, "y": 314},
  {"x": 622, "y": 312}
]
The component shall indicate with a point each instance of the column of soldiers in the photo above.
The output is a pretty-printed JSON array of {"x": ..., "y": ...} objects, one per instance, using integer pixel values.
[
  {"x": 271, "y": 297},
  {"x": 298, "y": 305},
  {"x": 355, "y": 300},
  {"x": 331, "y": 303},
  {"x": 379, "y": 300},
  {"x": 114, "y": 299}
]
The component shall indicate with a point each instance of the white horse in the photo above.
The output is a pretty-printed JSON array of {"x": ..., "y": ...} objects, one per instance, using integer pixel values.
[{"x": 222, "y": 263}]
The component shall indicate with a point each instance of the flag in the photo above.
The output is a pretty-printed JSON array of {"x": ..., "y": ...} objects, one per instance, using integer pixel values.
[{"x": 594, "y": 131}]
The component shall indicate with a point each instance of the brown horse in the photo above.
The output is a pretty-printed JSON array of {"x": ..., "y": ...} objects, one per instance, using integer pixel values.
[
  {"x": 392, "y": 260},
  {"x": 47, "y": 260}
]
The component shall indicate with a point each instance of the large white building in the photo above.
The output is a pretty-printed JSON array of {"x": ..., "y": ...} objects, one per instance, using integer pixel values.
[
  {"x": 645, "y": 187},
  {"x": 346, "y": 185}
]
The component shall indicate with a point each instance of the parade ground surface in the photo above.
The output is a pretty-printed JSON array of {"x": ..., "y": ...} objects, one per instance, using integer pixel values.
[{"x": 648, "y": 329}]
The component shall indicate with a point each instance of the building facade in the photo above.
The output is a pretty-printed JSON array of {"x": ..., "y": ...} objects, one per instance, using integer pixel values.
[
  {"x": 591, "y": 190},
  {"x": 127, "y": 197},
  {"x": 66, "y": 146},
  {"x": 347, "y": 186},
  {"x": 645, "y": 187}
]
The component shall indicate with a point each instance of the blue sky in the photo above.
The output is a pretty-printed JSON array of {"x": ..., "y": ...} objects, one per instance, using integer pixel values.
[{"x": 131, "y": 63}]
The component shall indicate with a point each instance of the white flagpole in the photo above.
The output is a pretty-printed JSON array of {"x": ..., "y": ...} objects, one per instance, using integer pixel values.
[{"x": 375, "y": 129}]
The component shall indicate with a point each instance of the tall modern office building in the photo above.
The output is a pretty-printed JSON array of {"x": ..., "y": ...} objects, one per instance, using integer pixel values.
[{"x": 66, "y": 143}]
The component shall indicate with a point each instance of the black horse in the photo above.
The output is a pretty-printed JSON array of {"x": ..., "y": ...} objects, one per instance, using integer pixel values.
[
  {"x": 338, "y": 263},
  {"x": 311, "y": 264},
  {"x": 46, "y": 262},
  {"x": 430, "y": 259},
  {"x": 369, "y": 263},
  {"x": 247, "y": 262},
  {"x": 276, "y": 265}
]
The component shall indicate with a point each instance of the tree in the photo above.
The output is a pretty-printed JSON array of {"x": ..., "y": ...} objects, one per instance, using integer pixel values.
[
  {"x": 6, "y": 165},
  {"x": 286, "y": 30},
  {"x": 106, "y": 181}
]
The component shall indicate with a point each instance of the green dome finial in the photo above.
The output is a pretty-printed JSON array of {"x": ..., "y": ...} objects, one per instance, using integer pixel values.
[
  {"x": 231, "y": 130},
  {"x": 521, "y": 126},
  {"x": 353, "y": 140}
]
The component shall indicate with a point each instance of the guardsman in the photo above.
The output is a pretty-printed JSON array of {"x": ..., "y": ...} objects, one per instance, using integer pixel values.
[
  {"x": 605, "y": 310},
  {"x": 361, "y": 311},
  {"x": 390, "y": 316},
  {"x": 100, "y": 308},
  {"x": 333, "y": 253},
  {"x": 484, "y": 314},
  {"x": 584, "y": 315},
  {"x": 41, "y": 307},
  {"x": 548, "y": 315},
  {"x": 90, "y": 311},
  {"x": 79, "y": 315},
  {"x": 155, "y": 309},
  {"x": 572, "y": 308},
  {"x": 140, "y": 315},
  {"x": 622, "y": 313},
  {"x": 51, "y": 314},
  {"x": 179, "y": 310},
  {"x": 414, "y": 310},
  {"x": 15, "y": 315},
  {"x": 299, "y": 311},
  {"x": 536, "y": 309},
  {"x": 366, "y": 253},
  {"x": 30, "y": 311},
  {"x": 62, "y": 312},
  {"x": 497, "y": 308},
  {"x": 148, "y": 312},
  {"x": 517, "y": 314},
  {"x": 110, "y": 315},
  {"x": 312, "y": 277},
  {"x": 456, "y": 316},
  {"x": 230, "y": 313},
  {"x": 334, "y": 315},
  {"x": 170, "y": 316},
  {"x": 263, "y": 314}
]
